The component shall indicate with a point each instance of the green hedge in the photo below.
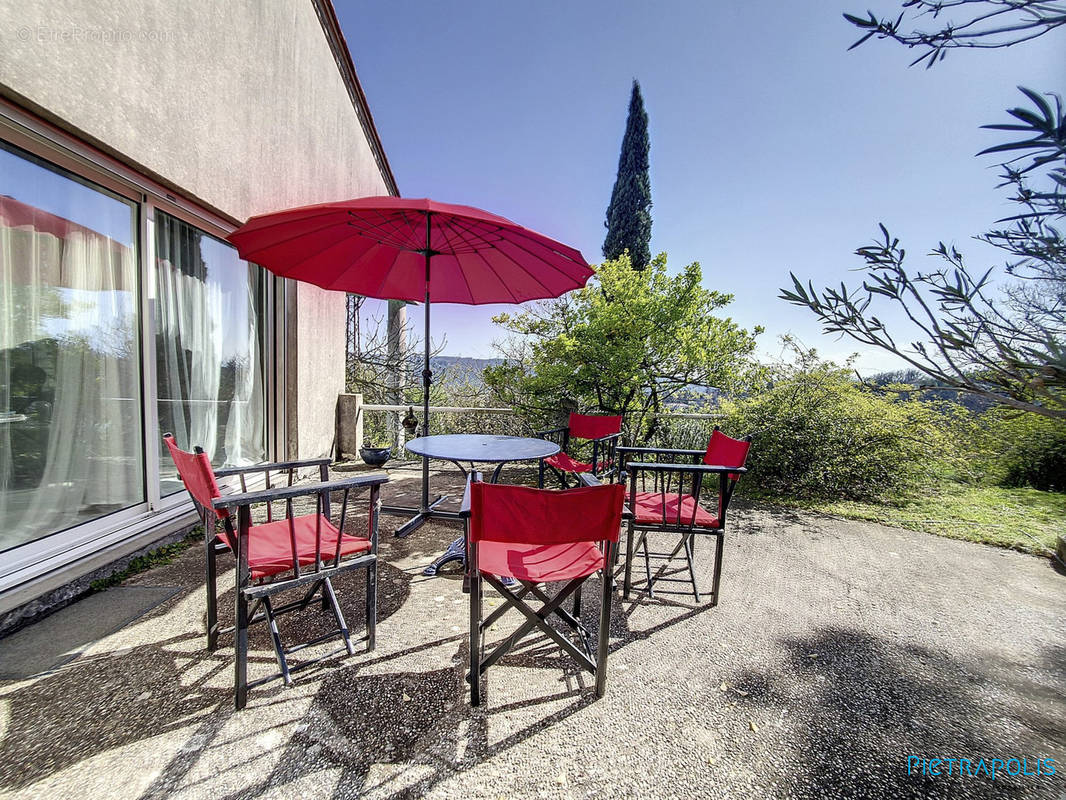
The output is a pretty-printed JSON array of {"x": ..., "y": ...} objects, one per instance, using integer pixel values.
[
  {"x": 1024, "y": 450},
  {"x": 820, "y": 434}
]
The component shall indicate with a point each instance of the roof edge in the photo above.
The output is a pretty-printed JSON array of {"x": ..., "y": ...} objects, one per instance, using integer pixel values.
[{"x": 327, "y": 16}]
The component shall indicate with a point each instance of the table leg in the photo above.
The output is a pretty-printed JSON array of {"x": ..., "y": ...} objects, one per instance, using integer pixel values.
[{"x": 456, "y": 552}]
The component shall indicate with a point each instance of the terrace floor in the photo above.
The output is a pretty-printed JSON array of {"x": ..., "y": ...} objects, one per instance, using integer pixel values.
[{"x": 838, "y": 650}]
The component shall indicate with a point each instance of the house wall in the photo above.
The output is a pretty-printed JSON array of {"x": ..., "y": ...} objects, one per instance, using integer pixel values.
[
  {"x": 238, "y": 108},
  {"x": 241, "y": 106}
]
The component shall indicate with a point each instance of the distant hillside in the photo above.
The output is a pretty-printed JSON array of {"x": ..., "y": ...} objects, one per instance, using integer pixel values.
[{"x": 462, "y": 368}]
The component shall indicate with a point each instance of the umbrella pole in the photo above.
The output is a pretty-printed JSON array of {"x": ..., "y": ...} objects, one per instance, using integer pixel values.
[
  {"x": 425, "y": 509},
  {"x": 427, "y": 377}
]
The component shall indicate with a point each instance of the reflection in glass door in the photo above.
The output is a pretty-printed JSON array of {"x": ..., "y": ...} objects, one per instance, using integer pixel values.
[{"x": 71, "y": 440}]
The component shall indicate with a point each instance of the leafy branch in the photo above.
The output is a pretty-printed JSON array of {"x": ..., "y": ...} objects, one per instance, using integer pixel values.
[{"x": 986, "y": 24}]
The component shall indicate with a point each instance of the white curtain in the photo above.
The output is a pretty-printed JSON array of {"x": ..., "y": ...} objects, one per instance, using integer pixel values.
[
  {"x": 208, "y": 360},
  {"x": 70, "y": 408}
]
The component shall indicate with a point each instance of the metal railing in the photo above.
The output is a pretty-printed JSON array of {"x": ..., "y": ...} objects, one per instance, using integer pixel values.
[{"x": 692, "y": 430}]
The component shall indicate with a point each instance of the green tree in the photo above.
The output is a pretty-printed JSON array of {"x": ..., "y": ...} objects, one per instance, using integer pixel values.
[
  {"x": 1007, "y": 344},
  {"x": 629, "y": 214},
  {"x": 628, "y": 343}
]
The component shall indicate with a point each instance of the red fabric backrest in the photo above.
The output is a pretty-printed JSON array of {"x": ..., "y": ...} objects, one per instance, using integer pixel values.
[
  {"x": 585, "y": 426},
  {"x": 197, "y": 475},
  {"x": 725, "y": 451},
  {"x": 522, "y": 515}
]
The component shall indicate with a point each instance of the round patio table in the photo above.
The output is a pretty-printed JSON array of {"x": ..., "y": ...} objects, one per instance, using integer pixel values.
[
  {"x": 479, "y": 448},
  {"x": 476, "y": 448}
]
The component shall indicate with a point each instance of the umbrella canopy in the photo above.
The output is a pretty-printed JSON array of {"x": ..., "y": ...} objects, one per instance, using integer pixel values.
[
  {"x": 396, "y": 248},
  {"x": 378, "y": 247}
]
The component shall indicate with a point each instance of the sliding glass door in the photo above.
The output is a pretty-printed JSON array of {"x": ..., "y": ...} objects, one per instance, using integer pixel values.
[
  {"x": 86, "y": 392},
  {"x": 71, "y": 423},
  {"x": 209, "y": 348}
]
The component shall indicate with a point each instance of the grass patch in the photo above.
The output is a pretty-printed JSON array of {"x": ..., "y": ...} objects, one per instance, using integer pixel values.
[
  {"x": 1028, "y": 520},
  {"x": 155, "y": 558}
]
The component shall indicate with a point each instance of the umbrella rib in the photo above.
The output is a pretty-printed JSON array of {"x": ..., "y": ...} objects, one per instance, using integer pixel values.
[
  {"x": 551, "y": 265},
  {"x": 276, "y": 242},
  {"x": 459, "y": 231},
  {"x": 532, "y": 275},
  {"x": 503, "y": 283},
  {"x": 388, "y": 231},
  {"x": 536, "y": 238},
  {"x": 296, "y": 265},
  {"x": 453, "y": 233},
  {"x": 385, "y": 275}
]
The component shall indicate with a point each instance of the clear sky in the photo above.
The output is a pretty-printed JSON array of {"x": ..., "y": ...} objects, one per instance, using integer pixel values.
[{"x": 772, "y": 147}]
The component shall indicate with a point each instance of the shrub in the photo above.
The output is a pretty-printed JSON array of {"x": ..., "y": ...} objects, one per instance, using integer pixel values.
[
  {"x": 1025, "y": 450},
  {"x": 819, "y": 434}
]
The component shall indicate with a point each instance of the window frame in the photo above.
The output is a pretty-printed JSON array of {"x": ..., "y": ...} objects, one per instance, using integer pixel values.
[{"x": 135, "y": 526}]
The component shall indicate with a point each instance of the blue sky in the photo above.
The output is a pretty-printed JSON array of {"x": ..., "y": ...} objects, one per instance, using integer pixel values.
[{"x": 772, "y": 147}]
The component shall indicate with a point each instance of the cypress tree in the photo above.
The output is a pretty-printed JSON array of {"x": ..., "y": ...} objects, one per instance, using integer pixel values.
[{"x": 629, "y": 214}]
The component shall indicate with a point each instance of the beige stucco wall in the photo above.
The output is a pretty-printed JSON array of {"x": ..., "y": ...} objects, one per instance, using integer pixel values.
[{"x": 238, "y": 104}]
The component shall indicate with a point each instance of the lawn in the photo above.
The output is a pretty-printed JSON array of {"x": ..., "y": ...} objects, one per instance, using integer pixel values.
[{"x": 1021, "y": 519}]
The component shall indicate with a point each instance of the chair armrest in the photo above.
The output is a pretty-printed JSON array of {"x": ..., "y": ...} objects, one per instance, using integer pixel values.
[
  {"x": 277, "y": 465},
  {"x": 464, "y": 507},
  {"x": 288, "y": 492},
  {"x": 608, "y": 437},
  {"x": 542, "y": 434},
  {"x": 660, "y": 450},
  {"x": 683, "y": 467}
]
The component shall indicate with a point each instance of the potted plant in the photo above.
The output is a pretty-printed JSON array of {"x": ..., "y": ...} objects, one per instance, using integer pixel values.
[{"x": 375, "y": 456}]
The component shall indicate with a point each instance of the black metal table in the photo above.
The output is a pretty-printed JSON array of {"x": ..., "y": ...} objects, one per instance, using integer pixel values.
[{"x": 460, "y": 449}]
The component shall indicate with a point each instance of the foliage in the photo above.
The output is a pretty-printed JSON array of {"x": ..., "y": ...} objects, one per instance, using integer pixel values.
[
  {"x": 993, "y": 24},
  {"x": 629, "y": 213},
  {"x": 818, "y": 434},
  {"x": 628, "y": 343},
  {"x": 1008, "y": 346},
  {"x": 1020, "y": 519},
  {"x": 1024, "y": 450},
  {"x": 155, "y": 558}
]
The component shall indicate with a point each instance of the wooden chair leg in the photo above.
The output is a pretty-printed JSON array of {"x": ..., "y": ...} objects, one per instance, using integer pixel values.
[
  {"x": 647, "y": 561},
  {"x": 604, "y": 631},
  {"x": 241, "y": 647},
  {"x": 279, "y": 650},
  {"x": 719, "y": 541},
  {"x": 371, "y": 606},
  {"x": 689, "y": 539},
  {"x": 212, "y": 590},
  {"x": 627, "y": 583},
  {"x": 331, "y": 599},
  {"x": 475, "y": 639}
]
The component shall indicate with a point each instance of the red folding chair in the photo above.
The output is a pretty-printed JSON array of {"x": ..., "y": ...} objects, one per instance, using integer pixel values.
[
  {"x": 536, "y": 537},
  {"x": 296, "y": 552},
  {"x": 671, "y": 505},
  {"x": 601, "y": 434}
]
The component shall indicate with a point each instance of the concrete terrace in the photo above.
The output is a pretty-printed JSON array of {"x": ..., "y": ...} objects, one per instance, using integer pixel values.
[{"x": 839, "y": 648}]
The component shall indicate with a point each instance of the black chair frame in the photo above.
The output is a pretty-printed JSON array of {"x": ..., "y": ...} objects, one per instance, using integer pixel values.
[
  {"x": 604, "y": 451},
  {"x": 588, "y": 653},
  {"x": 672, "y": 477},
  {"x": 254, "y": 599}
]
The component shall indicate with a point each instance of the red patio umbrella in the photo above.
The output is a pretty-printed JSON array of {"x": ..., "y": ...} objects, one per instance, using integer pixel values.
[{"x": 395, "y": 248}]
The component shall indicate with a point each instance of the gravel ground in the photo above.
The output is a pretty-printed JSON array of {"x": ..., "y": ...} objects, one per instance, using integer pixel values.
[{"x": 838, "y": 650}]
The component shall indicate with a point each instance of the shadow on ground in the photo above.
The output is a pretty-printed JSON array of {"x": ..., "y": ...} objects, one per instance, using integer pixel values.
[
  {"x": 856, "y": 705},
  {"x": 840, "y": 705}
]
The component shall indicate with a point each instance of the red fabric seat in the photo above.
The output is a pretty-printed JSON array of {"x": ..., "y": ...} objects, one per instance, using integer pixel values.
[
  {"x": 539, "y": 562},
  {"x": 564, "y": 462},
  {"x": 648, "y": 509},
  {"x": 270, "y": 546}
]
